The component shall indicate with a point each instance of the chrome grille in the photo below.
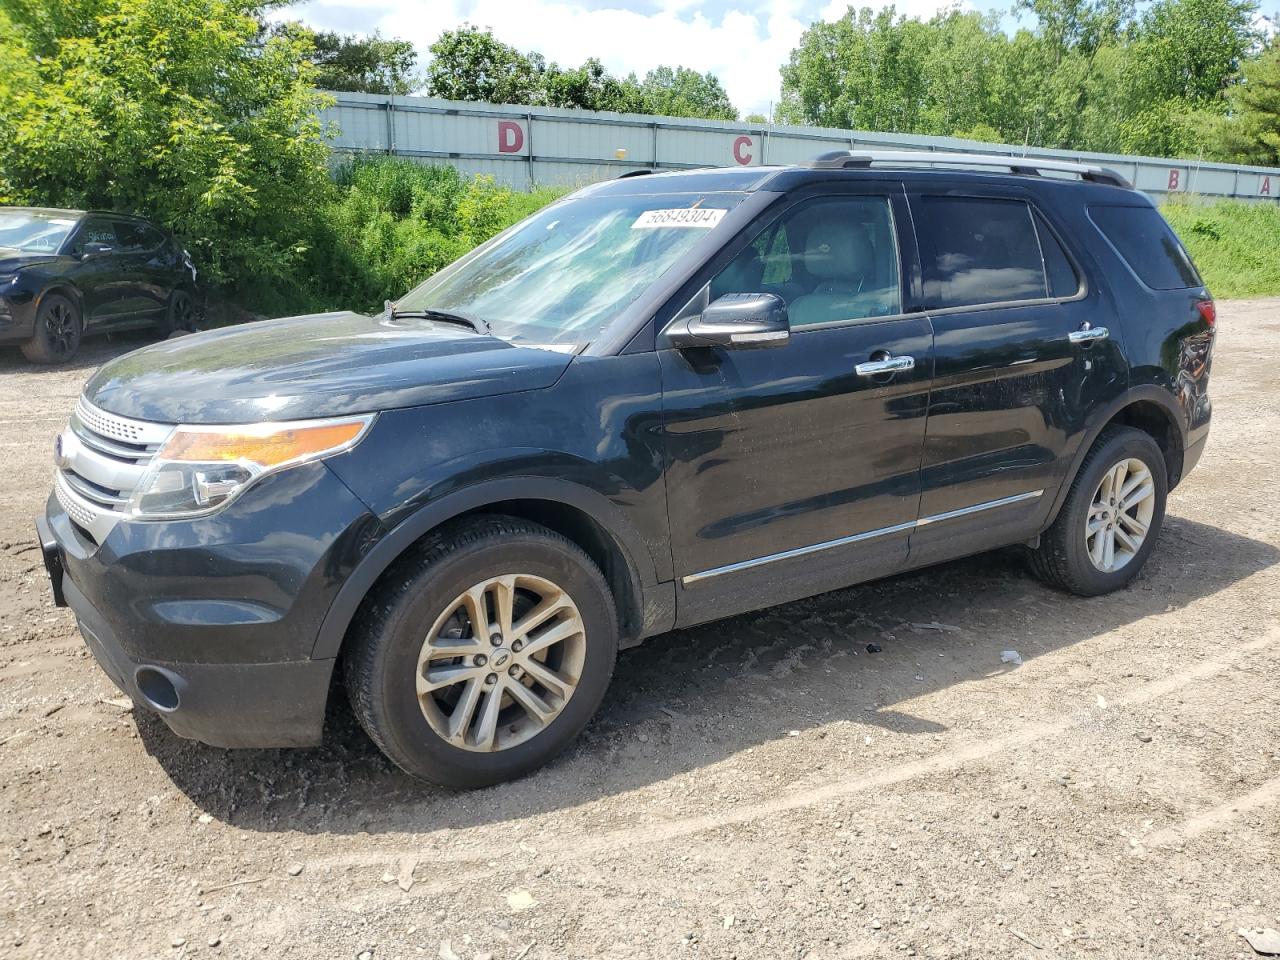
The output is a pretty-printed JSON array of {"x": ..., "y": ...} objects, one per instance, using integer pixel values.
[
  {"x": 80, "y": 514},
  {"x": 103, "y": 459}
]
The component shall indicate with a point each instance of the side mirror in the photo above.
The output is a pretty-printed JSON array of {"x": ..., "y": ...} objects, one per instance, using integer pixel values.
[
  {"x": 736, "y": 321},
  {"x": 95, "y": 249}
]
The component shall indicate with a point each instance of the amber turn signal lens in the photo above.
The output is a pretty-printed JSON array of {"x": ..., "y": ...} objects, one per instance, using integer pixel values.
[{"x": 266, "y": 445}]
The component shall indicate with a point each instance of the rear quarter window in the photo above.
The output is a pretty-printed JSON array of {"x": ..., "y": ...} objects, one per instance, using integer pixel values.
[{"x": 1147, "y": 245}]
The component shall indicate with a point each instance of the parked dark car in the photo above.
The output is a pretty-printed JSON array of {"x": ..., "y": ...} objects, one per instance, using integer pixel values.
[
  {"x": 663, "y": 400},
  {"x": 66, "y": 273}
]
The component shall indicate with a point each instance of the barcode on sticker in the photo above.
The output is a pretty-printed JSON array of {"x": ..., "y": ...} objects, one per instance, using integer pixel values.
[{"x": 700, "y": 217}]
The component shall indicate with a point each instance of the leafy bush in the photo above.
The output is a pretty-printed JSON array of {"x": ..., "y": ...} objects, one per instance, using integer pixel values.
[
  {"x": 175, "y": 109},
  {"x": 1233, "y": 242},
  {"x": 393, "y": 224}
]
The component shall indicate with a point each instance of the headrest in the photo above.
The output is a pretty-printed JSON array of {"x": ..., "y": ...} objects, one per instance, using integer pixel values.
[{"x": 837, "y": 251}]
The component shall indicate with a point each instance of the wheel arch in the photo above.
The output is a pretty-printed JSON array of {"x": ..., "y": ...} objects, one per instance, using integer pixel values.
[
  {"x": 1148, "y": 408},
  {"x": 67, "y": 289},
  {"x": 583, "y": 516}
]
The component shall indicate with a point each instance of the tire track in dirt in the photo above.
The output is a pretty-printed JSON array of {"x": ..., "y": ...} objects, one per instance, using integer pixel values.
[
  {"x": 569, "y": 849},
  {"x": 1216, "y": 818}
]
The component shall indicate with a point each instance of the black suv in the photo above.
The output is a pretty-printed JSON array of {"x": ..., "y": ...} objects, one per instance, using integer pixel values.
[
  {"x": 64, "y": 273},
  {"x": 663, "y": 400}
]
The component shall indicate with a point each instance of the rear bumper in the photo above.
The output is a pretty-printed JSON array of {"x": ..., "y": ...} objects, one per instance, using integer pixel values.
[
  {"x": 221, "y": 704},
  {"x": 1191, "y": 456}
]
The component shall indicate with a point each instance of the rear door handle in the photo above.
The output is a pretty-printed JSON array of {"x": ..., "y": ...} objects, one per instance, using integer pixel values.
[
  {"x": 874, "y": 368},
  {"x": 1088, "y": 334}
]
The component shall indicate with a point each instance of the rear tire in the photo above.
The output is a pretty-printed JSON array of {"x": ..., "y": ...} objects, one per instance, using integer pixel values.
[
  {"x": 57, "y": 333},
  {"x": 446, "y": 661},
  {"x": 1112, "y": 516}
]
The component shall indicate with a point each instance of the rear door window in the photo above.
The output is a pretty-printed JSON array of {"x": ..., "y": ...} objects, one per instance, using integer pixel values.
[
  {"x": 980, "y": 250},
  {"x": 1062, "y": 278},
  {"x": 1148, "y": 246},
  {"x": 130, "y": 237}
]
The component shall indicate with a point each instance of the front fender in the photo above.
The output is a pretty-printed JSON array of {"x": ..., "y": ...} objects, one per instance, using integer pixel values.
[{"x": 438, "y": 511}]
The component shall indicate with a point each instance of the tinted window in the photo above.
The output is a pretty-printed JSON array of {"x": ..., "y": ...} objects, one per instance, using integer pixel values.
[
  {"x": 1061, "y": 275},
  {"x": 130, "y": 237},
  {"x": 830, "y": 260},
  {"x": 137, "y": 237},
  {"x": 152, "y": 238},
  {"x": 980, "y": 251},
  {"x": 1148, "y": 245}
]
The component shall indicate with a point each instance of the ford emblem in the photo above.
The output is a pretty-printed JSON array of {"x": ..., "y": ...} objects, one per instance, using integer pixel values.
[{"x": 59, "y": 458}]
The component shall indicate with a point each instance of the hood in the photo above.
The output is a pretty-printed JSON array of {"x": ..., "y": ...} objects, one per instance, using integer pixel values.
[
  {"x": 316, "y": 366},
  {"x": 11, "y": 259}
]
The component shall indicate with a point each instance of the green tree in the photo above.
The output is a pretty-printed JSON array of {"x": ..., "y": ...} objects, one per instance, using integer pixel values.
[
  {"x": 1192, "y": 50},
  {"x": 589, "y": 87},
  {"x": 171, "y": 108},
  {"x": 471, "y": 64},
  {"x": 1082, "y": 74},
  {"x": 864, "y": 71},
  {"x": 681, "y": 92},
  {"x": 370, "y": 64},
  {"x": 1251, "y": 133}
]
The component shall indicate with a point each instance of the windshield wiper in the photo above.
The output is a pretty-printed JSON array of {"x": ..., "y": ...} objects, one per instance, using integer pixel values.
[{"x": 478, "y": 324}]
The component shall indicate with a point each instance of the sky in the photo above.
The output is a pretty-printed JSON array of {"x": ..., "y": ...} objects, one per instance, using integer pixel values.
[{"x": 744, "y": 42}]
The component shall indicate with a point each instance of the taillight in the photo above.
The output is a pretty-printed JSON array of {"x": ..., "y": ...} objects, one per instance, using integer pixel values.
[{"x": 1208, "y": 311}]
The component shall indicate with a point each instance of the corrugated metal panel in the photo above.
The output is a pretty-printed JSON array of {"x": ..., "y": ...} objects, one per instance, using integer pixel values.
[{"x": 519, "y": 146}]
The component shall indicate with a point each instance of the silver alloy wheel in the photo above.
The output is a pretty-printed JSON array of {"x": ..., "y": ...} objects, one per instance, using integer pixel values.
[
  {"x": 500, "y": 663},
  {"x": 1120, "y": 515}
]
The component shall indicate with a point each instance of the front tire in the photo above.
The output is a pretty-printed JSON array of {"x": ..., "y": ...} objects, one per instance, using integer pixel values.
[
  {"x": 1111, "y": 518},
  {"x": 57, "y": 333},
  {"x": 180, "y": 317},
  {"x": 482, "y": 655}
]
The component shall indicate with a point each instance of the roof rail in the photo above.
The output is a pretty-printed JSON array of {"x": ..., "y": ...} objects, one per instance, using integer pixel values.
[
  {"x": 634, "y": 173},
  {"x": 1025, "y": 166}
]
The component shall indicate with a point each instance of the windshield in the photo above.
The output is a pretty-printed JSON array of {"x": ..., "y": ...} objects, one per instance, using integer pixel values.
[
  {"x": 34, "y": 231},
  {"x": 562, "y": 275}
]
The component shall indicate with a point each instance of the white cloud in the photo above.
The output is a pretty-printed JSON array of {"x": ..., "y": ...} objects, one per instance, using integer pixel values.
[{"x": 744, "y": 47}]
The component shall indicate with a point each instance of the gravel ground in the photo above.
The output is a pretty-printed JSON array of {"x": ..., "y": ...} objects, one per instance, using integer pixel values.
[{"x": 760, "y": 787}]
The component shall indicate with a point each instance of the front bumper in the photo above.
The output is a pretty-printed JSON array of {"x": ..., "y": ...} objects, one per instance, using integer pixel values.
[
  {"x": 16, "y": 325},
  {"x": 210, "y": 623},
  {"x": 221, "y": 704}
]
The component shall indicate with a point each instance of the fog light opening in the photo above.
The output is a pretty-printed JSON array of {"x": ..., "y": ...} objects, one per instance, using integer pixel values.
[{"x": 157, "y": 689}]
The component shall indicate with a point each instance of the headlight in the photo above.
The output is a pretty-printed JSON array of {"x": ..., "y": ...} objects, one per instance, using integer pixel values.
[{"x": 199, "y": 469}]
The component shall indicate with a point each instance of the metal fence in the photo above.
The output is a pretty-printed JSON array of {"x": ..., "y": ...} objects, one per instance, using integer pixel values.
[{"x": 544, "y": 146}]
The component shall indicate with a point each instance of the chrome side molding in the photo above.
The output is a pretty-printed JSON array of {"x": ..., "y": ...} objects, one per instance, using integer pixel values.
[{"x": 857, "y": 537}]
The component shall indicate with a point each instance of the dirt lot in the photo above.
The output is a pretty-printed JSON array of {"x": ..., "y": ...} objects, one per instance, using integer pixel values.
[{"x": 761, "y": 787}]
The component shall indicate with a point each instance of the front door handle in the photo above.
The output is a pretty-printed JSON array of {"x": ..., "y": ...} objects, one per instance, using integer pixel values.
[
  {"x": 1088, "y": 334},
  {"x": 874, "y": 368}
]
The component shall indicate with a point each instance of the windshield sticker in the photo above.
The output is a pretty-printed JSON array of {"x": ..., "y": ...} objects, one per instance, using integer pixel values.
[{"x": 698, "y": 217}]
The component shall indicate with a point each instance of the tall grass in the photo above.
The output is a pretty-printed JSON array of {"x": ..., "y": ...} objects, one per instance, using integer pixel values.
[
  {"x": 1235, "y": 244},
  {"x": 390, "y": 223}
]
